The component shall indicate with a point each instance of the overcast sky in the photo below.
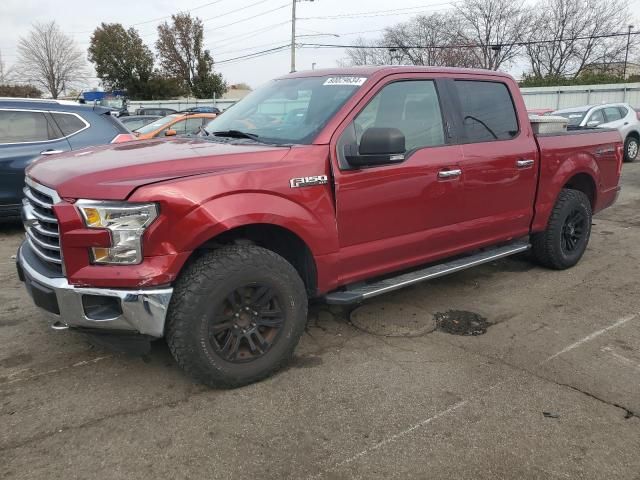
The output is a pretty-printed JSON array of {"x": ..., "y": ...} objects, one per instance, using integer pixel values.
[{"x": 228, "y": 33}]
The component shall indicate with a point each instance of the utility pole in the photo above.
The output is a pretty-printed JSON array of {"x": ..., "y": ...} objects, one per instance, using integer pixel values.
[
  {"x": 626, "y": 53},
  {"x": 293, "y": 36},
  {"x": 293, "y": 33}
]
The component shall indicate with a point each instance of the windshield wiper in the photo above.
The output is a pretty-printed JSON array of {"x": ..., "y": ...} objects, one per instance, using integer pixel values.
[{"x": 236, "y": 134}]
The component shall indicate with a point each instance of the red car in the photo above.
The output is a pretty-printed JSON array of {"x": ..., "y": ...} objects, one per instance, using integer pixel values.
[{"x": 338, "y": 184}]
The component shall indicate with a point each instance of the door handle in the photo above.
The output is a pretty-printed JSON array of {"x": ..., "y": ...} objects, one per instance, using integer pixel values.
[
  {"x": 456, "y": 172},
  {"x": 524, "y": 163},
  {"x": 51, "y": 152}
]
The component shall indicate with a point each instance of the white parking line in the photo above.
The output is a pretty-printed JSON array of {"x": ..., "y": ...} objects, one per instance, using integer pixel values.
[
  {"x": 462, "y": 403},
  {"x": 591, "y": 336}
]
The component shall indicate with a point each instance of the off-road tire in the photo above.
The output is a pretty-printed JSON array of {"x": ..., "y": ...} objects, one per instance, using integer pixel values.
[
  {"x": 548, "y": 247},
  {"x": 627, "y": 143},
  {"x": 205, "y": 283}
]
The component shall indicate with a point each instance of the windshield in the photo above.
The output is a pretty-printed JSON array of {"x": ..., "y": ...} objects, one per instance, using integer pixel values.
[
  {"x": 152, "y": 127},
  {"x": 111, "y": 102},
  {"x": 575, "y": 118},
  {"x": 291, "y": 110}
]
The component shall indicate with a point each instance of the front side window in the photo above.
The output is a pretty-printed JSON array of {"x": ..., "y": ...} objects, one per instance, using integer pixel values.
[
  {"x": 21, "y": 126},
  {"x": 488, "y": 113},
  {"x": 410, "y": 106},
  {"x": 289, "y": 110},
  {"x": 596, "y": 118},
  {"x": 69, "y": 124}
]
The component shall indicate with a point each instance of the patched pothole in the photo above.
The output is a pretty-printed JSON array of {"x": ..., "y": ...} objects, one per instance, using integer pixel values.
[
  {"x": 461, "y": 322},
  {"x": 392, "y": 320}
]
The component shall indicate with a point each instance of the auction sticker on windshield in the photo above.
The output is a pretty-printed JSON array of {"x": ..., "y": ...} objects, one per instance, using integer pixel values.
[{"x": 351, "y": 81}]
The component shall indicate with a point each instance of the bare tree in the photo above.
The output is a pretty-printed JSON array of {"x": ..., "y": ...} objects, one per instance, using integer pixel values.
[
  {"x": 367, "y": 53},
  {"x": 431, "y": 40},
  {"x": 50, "y": 59},
  {"x": 496, "y": 27},
  {"x": 5, "y": 72},
  {"x": 425, "y": 40},
  {"x": 575, "y": 28}
]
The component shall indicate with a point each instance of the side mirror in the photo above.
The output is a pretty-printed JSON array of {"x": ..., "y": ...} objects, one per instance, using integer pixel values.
[
  {"x": 379, "y": 146},
  {"x": 593, "y": 123},
  {"x": 170, "y": 133}
]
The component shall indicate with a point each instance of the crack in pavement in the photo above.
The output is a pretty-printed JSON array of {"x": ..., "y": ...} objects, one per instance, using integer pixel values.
[{"x": 45, "y": 435}]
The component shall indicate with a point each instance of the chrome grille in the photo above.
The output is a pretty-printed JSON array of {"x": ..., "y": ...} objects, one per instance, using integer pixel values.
[{"x": 40, "y": 223}]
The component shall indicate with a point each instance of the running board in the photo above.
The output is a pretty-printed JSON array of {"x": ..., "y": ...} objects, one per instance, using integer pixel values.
[{"x": 360, "y": 292}]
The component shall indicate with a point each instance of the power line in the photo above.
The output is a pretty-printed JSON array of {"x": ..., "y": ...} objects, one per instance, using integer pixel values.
[
  {"x": 470, "y": 45},
  {"x": 249, "y": 18},
  {"x": 244, "y": 36},
  {"x": 379, "y": 13},
  {"x": 161, "y": 18},
  {"x": 254, "y": 54},
  {"x": 234, "y": 11}
]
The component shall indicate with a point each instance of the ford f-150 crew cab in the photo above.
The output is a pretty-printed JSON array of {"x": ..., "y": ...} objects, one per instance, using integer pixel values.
[{"x": 337, "y": 184}]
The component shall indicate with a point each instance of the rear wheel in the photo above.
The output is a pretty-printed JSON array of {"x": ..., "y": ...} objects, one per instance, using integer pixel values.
[
  {"x": 236, "y": 316},
  {"x": 631, "y": 148},
  {"x": 564, "y": 241}
]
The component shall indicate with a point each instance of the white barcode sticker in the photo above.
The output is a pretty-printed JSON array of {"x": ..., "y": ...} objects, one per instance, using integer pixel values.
[{"x": 350, "y": 81}]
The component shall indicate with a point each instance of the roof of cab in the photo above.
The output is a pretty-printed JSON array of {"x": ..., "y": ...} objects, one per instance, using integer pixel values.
[{"x": 384, "y": 70}]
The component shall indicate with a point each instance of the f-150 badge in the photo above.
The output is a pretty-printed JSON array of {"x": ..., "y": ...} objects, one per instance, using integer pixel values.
[{"x": 308, "y": 181}]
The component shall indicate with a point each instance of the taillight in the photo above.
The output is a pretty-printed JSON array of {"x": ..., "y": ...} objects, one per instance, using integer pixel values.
[{"x": 123, "y": 137}]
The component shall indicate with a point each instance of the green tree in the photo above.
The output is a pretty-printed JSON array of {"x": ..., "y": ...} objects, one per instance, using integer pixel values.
[
  {"x": 121, "y": 59},
  {"x": 182, "y": 56}
]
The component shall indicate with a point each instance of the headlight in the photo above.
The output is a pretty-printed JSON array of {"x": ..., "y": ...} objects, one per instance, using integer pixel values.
[{"x": 126, "y": 222}]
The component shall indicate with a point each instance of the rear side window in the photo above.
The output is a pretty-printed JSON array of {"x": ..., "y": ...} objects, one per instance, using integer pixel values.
[
  {"x": 68, "y": 123},
  {"x": 488, "y": 112},
  {"x": 612, "y": 114},
  {"x": 22, "y": 126}
]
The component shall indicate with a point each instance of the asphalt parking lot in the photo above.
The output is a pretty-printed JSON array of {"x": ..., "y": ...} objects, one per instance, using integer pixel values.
[{"x": 551, "y": 390}]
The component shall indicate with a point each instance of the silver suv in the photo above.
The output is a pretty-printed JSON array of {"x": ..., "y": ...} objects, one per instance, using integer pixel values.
[{"x": 620, "y": 116}]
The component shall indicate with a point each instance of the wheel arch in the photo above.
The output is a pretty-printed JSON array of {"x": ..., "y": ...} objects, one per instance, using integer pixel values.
[
  {"x": 273, "y": 237},
  {"x": 585, "y": 183}
]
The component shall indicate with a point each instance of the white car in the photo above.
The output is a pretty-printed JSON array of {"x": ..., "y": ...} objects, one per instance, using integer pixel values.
[{"x": 620, "y": 116}]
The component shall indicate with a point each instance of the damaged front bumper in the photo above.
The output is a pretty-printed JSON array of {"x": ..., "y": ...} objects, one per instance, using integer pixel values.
[{"x": 111, "y": 310}]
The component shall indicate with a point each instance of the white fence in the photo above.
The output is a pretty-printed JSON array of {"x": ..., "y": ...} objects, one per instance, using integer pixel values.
[
  {"x": 178, "y": 105},
  {"x": 577, "y": 95}
]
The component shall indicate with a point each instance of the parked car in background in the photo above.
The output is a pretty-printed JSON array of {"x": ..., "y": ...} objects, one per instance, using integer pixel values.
[
  {"x": 175, "y": 124},
  {"x": 31, "y": 128},
  {"x": 619, "y": 116},
  {"x": 133, "y": 122},
  {"x": 159, "y": 112},
  {"x": 202, "y": 110}
]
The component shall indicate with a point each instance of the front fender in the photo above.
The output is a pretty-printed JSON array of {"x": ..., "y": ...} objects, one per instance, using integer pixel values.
[{"x": 317, "y": 229}]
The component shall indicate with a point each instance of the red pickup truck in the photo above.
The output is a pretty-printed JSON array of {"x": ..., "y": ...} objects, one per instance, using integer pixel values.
[{"x": 337, "y": 184}]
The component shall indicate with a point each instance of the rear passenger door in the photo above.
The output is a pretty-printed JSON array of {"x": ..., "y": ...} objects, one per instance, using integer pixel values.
[
  {"x": 24, "y": 136},
  {"x": 499, "y": 161}
]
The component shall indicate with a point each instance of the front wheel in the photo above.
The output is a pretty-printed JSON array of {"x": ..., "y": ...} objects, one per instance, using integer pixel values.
[
  {"x": 236, "y": 315},
  {"x": 564, "y": 241},
  {"x": 631, "y": 147}
]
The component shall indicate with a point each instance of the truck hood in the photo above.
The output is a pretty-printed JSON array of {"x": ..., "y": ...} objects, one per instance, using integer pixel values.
[{"x": 113, "y": 172}]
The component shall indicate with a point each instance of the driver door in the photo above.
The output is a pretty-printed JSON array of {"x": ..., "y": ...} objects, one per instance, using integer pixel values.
[{"x": 401, "y": 214}]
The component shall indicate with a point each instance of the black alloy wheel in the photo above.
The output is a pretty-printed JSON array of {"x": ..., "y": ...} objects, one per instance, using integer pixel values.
[
  {"x": 573, "y": 230},
  {"x": 247, "y": 323}
]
